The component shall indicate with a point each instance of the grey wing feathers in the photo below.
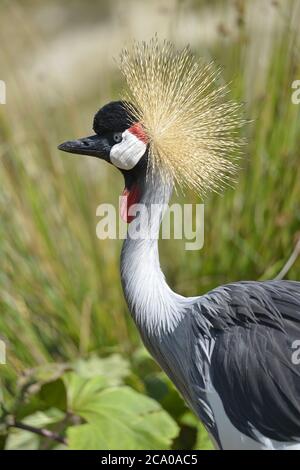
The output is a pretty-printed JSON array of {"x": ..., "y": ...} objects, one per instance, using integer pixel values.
[
  {"x": 254, "y": 326},
  {"x": 242, "y": 303}
]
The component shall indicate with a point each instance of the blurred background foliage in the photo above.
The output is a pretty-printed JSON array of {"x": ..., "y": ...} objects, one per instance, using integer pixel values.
[{"x": 72, "y": 349}]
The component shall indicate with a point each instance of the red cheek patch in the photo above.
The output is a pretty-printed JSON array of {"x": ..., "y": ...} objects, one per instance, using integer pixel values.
[
  {"x": 129, "y": 198},
  {"x": 139, "y": 132}
]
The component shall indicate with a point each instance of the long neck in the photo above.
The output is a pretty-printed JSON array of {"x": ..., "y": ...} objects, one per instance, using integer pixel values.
[{"x": 153, "y": 305}]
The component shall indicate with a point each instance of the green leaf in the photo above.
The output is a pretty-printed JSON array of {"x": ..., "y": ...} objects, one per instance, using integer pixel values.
[
  {"x": 203, "y": 441},
  {"x": 48, "y": 395},
  {"x": 120, "y": 418},
  {"x": 18, "y": 439},
  {"x": 3, "y": 438},
  {"x": 22, "y": 440},
  {"x": 29, "y": 406},
  {"x": 53, "y": 394},
  {"x": 156, "y": 386},
  {"x": 81, "y": 392},
  {"x": 113, "y": 369}
]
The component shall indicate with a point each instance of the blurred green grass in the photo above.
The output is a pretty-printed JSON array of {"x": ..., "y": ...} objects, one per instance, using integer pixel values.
[{"x": 60, "y": 293}]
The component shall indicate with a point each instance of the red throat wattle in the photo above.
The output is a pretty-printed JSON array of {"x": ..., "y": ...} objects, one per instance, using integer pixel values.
[{"x": 128, "y": 199}]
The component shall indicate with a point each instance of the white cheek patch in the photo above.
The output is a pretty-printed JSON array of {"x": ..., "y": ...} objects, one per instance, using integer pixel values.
[{"x": 128, "y": 152}]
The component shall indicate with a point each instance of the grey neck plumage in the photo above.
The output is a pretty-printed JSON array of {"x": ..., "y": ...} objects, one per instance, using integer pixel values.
[{"x": 155, "y": 308}]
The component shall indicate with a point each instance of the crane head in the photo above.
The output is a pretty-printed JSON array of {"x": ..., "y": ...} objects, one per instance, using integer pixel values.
[
  {"x": 121, "y": 141},
  {"x": 176, "y": 119}
]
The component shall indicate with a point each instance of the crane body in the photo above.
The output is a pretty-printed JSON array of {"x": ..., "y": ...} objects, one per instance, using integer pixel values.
[{"x": 210, "y": 345}]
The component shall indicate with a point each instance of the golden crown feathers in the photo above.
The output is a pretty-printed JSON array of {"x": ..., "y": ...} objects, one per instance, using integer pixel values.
[{"x": 191, "y": 125}]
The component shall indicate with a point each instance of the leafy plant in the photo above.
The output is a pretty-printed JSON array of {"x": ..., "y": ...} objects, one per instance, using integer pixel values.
[{"x": 85, "y": 405}]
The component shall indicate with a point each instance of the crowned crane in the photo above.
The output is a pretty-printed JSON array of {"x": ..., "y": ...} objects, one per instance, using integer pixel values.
[{"x": 228, "y": 352}]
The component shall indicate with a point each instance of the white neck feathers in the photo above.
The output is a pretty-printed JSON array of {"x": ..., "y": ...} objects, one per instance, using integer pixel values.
[{"x": 153, "y": 305}]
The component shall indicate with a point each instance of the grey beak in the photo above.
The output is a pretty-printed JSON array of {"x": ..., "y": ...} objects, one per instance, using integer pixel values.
[{"x": 94, "y": 145}]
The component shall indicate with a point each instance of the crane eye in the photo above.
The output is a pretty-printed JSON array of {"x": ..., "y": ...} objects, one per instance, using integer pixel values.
[{"x": 117, "y": 136}]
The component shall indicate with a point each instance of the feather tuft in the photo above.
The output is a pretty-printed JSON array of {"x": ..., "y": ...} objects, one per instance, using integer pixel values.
[{"x": 193, "y": 129}]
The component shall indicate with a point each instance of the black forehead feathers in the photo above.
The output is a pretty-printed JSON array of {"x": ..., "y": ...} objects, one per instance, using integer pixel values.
[{"x": 114, "y": 116}]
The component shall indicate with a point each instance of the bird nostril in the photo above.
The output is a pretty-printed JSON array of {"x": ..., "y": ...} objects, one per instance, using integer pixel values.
[{"x": 85, "y": 143}]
